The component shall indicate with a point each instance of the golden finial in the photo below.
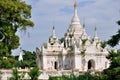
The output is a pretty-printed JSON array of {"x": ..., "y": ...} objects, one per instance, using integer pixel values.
[{"x": 75, "y": 4}]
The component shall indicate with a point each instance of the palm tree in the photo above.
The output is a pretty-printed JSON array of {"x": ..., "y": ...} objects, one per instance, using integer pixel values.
[
  {"x": 34, "y": 73},
  {"x": 15, "y": 75}
]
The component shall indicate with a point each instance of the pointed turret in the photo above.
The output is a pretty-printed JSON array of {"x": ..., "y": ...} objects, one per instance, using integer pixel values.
[
  {"x": 75, "y": 30},
  {"x": 75, "y": 8},
  {"x": 84, "y": 35},
  {"x": 95, "y": 30},
  {"x": 53, "y": 39},
  {"x": 75, "y": 19},
  {"x": 20, "y": 55},
  {"x": 53, "y": 32},
  {"x": 96, "y": 38}
]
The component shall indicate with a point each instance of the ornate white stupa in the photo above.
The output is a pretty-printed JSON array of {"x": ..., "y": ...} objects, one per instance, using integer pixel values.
[{"x": 75, "y": 52}]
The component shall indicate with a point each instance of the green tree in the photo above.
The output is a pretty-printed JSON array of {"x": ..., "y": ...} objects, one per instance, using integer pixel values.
[
  {"x": 34, "y": 73},
  {"x": 14, "y": 15},
  {"x": 113, "y": 72},
  {"x": 115, "y": 38},
  {"x": 85, "y": 76},
  {"x": 29, "y": 60},
  {"x": 10, "y": 42},
  {"x": 7, "y": 62},
  {"x": 15, "y": 75},
  {"x": 30, "y": 57}
]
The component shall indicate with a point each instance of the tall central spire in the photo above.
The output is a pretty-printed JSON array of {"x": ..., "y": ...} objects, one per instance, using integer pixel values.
[
  {"x": 75, "y": 19},
  {"x": 53, "y": 32},
  {"x": 95, "y": 30},
  {"x": 75, "y": 29},
  {"x": 75, "y": 8}
]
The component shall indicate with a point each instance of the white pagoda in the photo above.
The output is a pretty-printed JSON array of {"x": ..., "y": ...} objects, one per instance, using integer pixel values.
[{"x": 76, "y": 51}]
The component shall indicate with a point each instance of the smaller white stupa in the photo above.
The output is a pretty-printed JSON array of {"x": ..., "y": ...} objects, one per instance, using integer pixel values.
[{"x": 20, "y": 58}]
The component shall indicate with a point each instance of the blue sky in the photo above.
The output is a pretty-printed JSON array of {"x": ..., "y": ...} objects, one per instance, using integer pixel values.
[{"x": 45, "y": 13}]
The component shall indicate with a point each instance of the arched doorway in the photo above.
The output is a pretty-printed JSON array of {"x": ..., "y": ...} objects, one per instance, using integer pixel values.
[
  {"x": 91, "y": 64},
  {"x": 55, "y": 65}
]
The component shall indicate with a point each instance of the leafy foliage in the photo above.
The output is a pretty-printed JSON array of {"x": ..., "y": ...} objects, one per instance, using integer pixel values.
[
  {"x": 83, "y": 47},
  {"x": 54, "y": 78},
  {"x": 114, "y": 57},
  {"x": 30, "y": 57},
  {"x": 10, "y": 42},
  {"x": 103, "y": 44},
  {"x": 115, "y": 38},
  {"x": 7, "y": 62},
  {"x": 15, "y": 75},
  {"x": 10, "y": 61},
  {"x": 83, "y": 42},
  {"x": 34, "y": 73},
  {"x": 29, "y": 60},
  {"x": 83, "y": 52},
  {"x": 16, "y": 12},
  {"x": 86, "y": 76},
  {"x": 113, "y": 72},
  {"x": 14, "y": 15}
]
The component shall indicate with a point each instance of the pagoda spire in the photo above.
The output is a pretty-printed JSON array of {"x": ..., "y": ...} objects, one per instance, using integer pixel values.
[
  {"x": 75, "y": 19},
  {"x": 95, "y": 32},
  {"x": 53, "y": 39},
  {"x": 75, "y": 8},
  {"x": 53, "y": 32},
  {"x": 96, "y": 38}
]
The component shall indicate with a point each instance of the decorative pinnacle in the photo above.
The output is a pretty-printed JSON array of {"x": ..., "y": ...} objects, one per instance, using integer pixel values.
[
  {"x": 53, "y": 31},
  {"x": 75, "y": 4},
  {"x": 95, "y": 29}
]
